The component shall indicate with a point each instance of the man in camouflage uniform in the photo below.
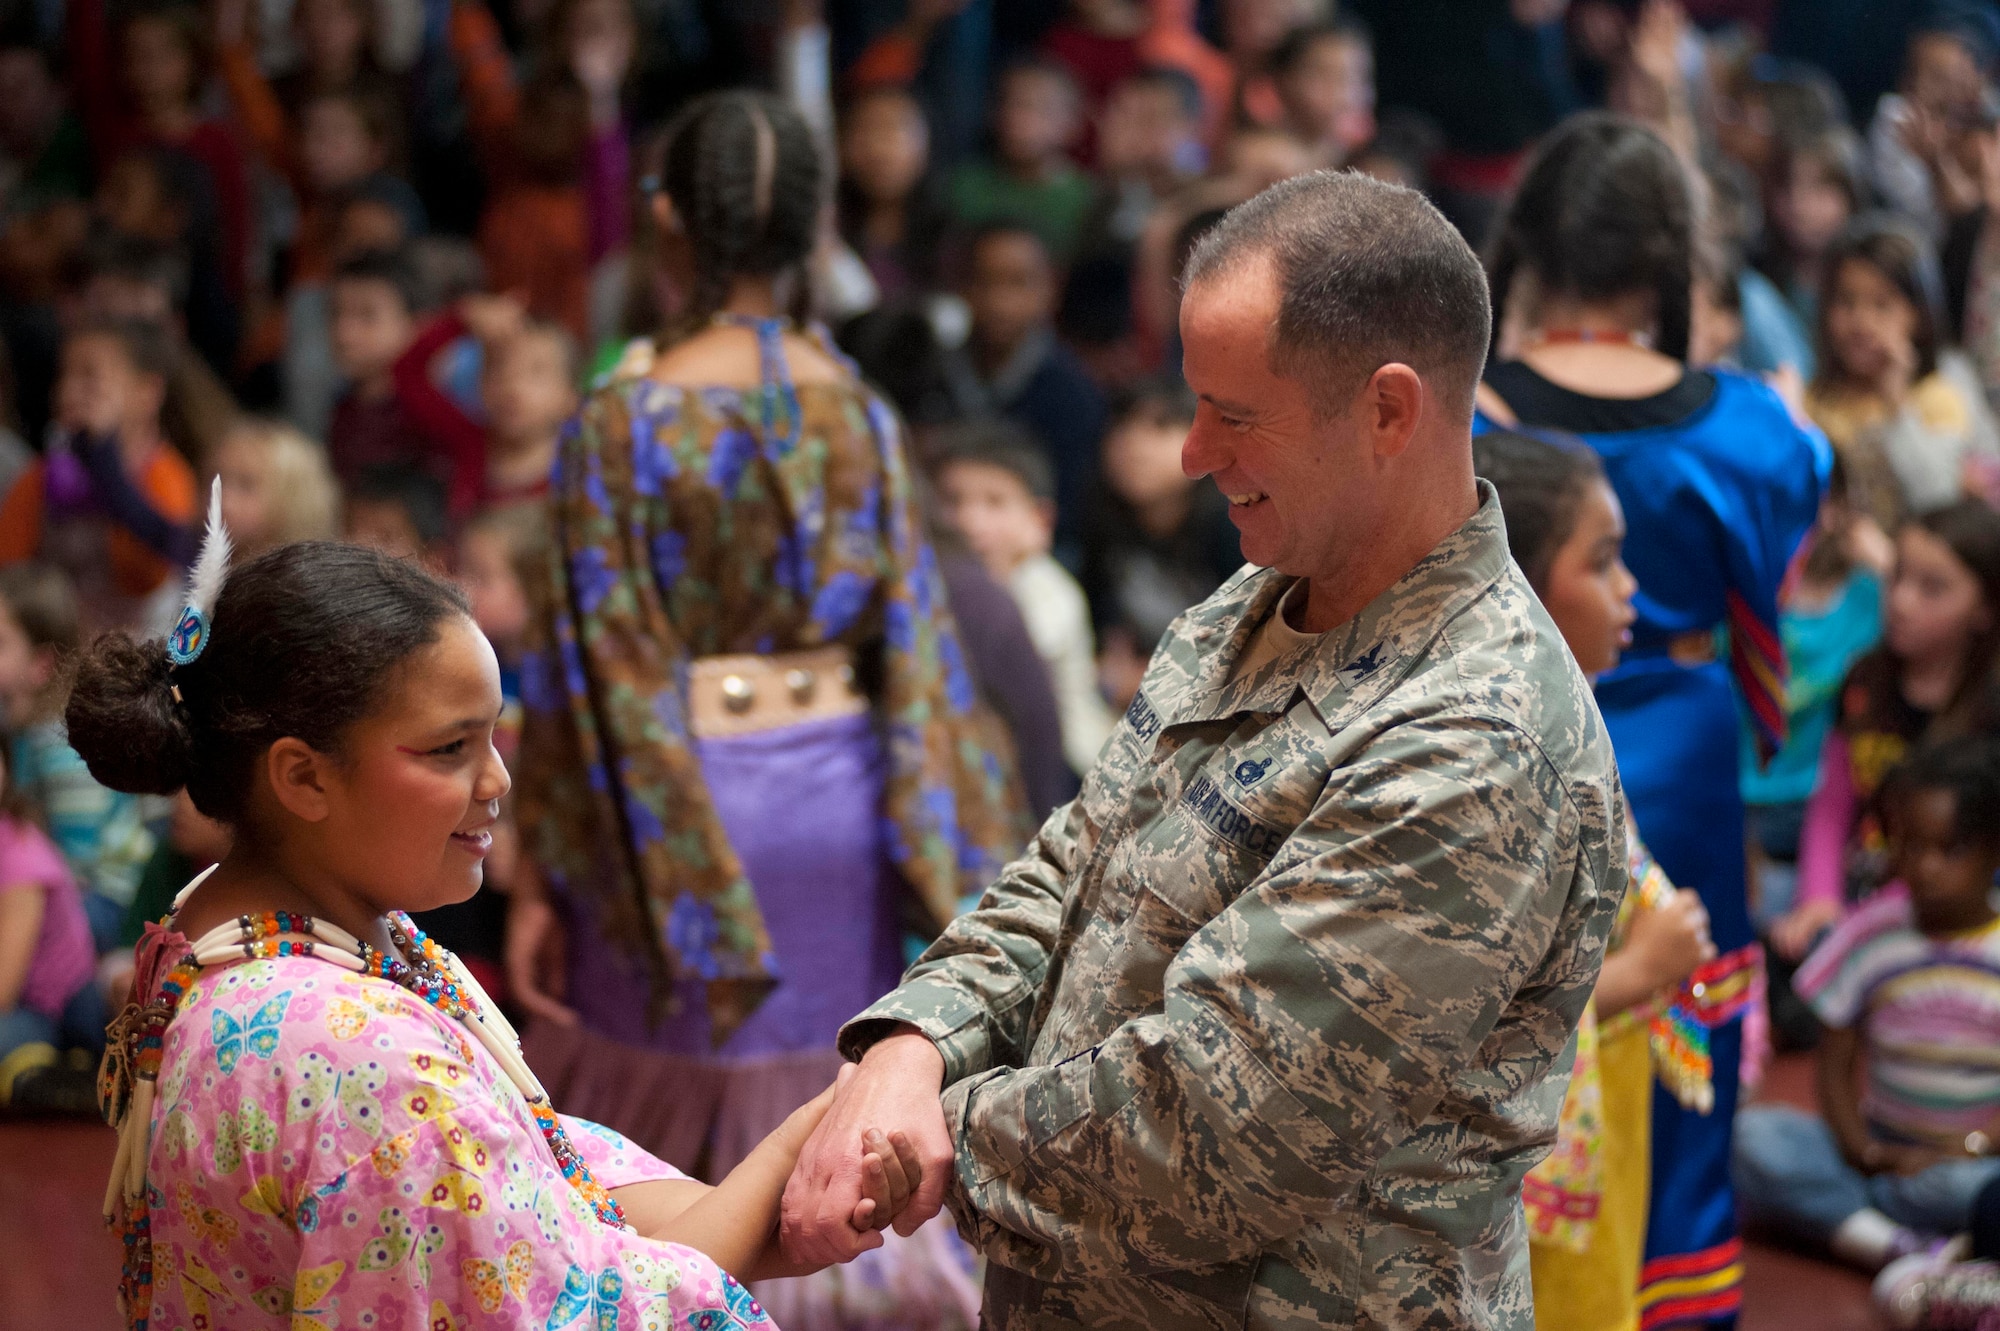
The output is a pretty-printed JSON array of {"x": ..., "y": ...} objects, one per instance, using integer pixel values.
[{"x": 1266, "y": 1026}]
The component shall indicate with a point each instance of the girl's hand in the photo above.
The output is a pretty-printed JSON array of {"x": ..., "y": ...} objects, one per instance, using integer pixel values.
[
  {"x": 1899, "y": 371},
  {"x": 890, "y": 1173},
  {"x": 792, "y": 1135},
  {"x": 1867, "y": 544},
  {"x": 492, "y": 318},
  {"x": 1672, "y": 940},
  {"x": 1796, "y": 929}
]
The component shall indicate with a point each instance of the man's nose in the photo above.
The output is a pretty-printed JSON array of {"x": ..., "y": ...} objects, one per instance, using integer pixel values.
[{"x": 1202, "y": 452}]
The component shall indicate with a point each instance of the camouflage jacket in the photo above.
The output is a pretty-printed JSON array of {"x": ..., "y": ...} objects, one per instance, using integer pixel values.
[{"x": 1266, "y": 1026}]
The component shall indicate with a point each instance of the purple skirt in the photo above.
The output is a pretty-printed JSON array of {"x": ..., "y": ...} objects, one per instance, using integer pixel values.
[{"x": 802, "y": 807}]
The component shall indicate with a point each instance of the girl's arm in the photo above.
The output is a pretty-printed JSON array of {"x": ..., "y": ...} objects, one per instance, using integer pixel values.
[
  {"x": 1664, "y": 947},
  {"x": 252, "y": 103},
  {"x": 1829, "y": 822},
  {"x": 21, "y": 906},
  {"x": 735, "y": 1223},
  {"x": 129, "y": 505},
  {"x": 1837, "y": 1069},
  {"x": 485, "y": 79}
]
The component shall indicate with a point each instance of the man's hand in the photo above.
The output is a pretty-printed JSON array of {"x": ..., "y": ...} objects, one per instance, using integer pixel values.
[{"x": 894, "y": 1092}]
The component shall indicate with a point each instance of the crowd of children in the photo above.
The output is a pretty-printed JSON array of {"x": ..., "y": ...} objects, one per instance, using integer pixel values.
[{"x": 358, "y": 260}]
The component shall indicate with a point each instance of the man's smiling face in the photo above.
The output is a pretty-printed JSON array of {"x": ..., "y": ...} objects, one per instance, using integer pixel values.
[{"x": 1294, "y": 480}]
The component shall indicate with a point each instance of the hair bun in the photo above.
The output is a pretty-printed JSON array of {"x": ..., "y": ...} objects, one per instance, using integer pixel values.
[{"x": 123, "y": 719}]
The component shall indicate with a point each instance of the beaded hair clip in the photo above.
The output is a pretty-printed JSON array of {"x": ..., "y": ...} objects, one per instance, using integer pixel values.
[{"x": 211, "y": 569}]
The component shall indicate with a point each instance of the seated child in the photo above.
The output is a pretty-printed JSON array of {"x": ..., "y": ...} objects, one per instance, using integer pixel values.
[
  {"x": 375, "y": 301},
  {"x": 1908, "y": 987},
  {"x": 494, "y": 551},
  {"x": 1586, "y": 1203},
  {"x": 1037, "y": 114},
  {"x": 399, "y": 510},
  {"x": 999, "y": 493},
  {"x": 527, "y": 386},
  {"x": 111, "y": 502},
  {"x": 100, "y": 832},
  {"x": 47, "y": 963},
  {"x": 1013, "y": 365},
  {"x": 1906, "y": 415},
  {"x": 1929, "y": 677},
  {"x": 1325, "y": 77},
  {"x": 320, "y": 1111},
  {"x": 1158, "y": 541},
  {"x": 276, "y": 487}
]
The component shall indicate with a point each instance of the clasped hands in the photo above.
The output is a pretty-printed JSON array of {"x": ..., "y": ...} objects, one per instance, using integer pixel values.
[{"x": 880, "y": 1156}]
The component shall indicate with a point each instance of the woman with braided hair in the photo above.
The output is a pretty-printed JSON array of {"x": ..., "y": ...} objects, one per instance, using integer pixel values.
[
  {"x": 752, "y": 747},
  {"x": 1591, "y": 272}
]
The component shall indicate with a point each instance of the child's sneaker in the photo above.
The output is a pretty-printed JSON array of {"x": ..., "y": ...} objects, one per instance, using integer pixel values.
[{"x": 1938, "y": 1290}]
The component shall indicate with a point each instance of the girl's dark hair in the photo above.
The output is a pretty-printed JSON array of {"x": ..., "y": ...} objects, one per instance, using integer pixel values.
[
  {"x": 1541, "y": 484},
  {"x": 1604, "y": 211},
  {"x": 1968, "y": 766},
  {"x": 1164, "y": 398},
  {"x": 742, "y": 219},
  {"x": 42, "y": 603},
  {"x": 1972, "y": 532},
  {"x": 304, "y": 638},
  {"x": 189, "y": 27},
  {"x": 1901, "y": 254}
]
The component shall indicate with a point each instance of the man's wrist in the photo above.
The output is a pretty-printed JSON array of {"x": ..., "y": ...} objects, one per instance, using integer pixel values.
[{"x": 909, "y": 1051}]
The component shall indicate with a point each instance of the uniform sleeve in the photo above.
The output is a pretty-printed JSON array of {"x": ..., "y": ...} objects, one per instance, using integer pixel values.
[
  {"x": 973, "y": 992},
  {"x": 1307, "y": 1028}
]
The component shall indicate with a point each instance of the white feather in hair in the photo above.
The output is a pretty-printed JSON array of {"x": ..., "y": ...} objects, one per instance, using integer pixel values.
[{"x": 211, "y": 570}]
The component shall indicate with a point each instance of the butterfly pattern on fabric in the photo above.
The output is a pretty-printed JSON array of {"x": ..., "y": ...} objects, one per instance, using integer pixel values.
[
  {"x": 258, "y": 1036},
  {"x": 739, "y": 1309},
  {"x": 356, "y": 1088},
  {"x": 491, "y": 1283},
  {"x": 360, "y": 1163}
]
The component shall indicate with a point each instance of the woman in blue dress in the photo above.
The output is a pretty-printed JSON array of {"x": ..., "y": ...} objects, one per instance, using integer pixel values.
[{"x": 1591, "y": 271}]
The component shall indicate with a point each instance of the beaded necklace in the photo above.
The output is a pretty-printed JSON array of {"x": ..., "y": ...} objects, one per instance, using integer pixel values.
[
  {"x": 127, "y": 1080},
  {"x": 427, "y": 970}
]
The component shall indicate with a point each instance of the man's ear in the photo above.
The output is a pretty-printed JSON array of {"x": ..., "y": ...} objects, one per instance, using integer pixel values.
[
  {"x": 299, "y": 776},
  {"x": 1392, "y": 404}
]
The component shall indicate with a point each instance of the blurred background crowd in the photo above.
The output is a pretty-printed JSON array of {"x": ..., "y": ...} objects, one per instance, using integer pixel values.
[{"x": 361, "y": 260}]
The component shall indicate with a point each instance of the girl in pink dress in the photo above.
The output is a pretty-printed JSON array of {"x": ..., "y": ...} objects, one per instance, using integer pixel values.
[{"x": 323, "y": 1120}]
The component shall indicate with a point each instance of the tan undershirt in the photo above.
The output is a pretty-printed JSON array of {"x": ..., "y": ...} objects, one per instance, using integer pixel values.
[{"x": 1275, "y": 637}]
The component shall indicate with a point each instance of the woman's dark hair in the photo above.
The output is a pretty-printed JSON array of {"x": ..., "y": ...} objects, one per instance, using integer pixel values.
[
  {"x": 1971, "y": 530},
  {"x": 1541, "y": 484},
  {"x": 1604, "y": 211},
  {"x": 743, "y": 172},
  {"x": 304, "y": 638},
  {"x": 1905, "y": 258}
]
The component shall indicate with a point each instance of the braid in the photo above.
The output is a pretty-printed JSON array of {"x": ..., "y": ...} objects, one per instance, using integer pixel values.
[{"x": 711, "y": 172}]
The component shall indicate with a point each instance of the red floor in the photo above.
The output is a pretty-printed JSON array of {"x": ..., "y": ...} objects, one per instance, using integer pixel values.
[{"x": 58, "y": 1267}]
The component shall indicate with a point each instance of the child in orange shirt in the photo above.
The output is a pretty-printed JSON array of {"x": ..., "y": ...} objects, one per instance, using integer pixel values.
[{"x": 111, "y": 504}]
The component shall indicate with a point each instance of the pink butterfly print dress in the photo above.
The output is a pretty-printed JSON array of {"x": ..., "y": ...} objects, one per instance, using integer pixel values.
[{"x": 331, "y": 1152}]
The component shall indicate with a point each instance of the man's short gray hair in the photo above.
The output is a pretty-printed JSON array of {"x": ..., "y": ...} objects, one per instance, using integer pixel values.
[{"x": 1368, "y": 273}]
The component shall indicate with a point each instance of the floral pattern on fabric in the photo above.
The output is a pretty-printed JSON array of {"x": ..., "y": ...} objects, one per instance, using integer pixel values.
[
  {"x": 329, "y": 1151},
  {"x": 690, "y": 522}
]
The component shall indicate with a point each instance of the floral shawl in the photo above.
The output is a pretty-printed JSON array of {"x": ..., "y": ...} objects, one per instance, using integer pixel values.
[{"x": 696, "y": 522}]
